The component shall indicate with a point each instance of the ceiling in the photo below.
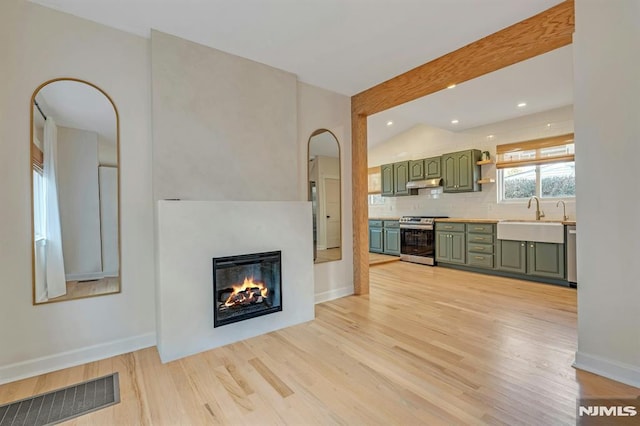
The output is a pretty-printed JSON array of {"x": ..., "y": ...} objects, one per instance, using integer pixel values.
[
  {"x": 345, "y": 46},
  {"x": 543, "y": 83}
]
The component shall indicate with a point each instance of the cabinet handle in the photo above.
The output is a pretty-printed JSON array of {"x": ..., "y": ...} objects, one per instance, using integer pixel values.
[
  {"x": 478, "y": 248},
  {"x": 531, "y": 246},
  {"x": 478, "y": 229},
  {"x": 478, "y": 257},
  {"x": 522, "y": 245},
  {"x": 480, "y": 238},
  {"x": 448, "y": 227}
]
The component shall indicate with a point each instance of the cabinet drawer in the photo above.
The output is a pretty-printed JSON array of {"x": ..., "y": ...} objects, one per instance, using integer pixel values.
[
  {"x": 452, "y": 227},
  {"x": 480, "y": 248},
  {"x": 481, "y": 228},
  {"x": 391, "y": 224},
  {"x": 375, "y": 223},
  {"x": 480, "y": 238},
  {"x": 480, "y": 260}
]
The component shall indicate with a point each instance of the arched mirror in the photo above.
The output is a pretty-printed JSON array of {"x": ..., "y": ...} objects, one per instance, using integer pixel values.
[
  {"x": 75, "y": 191},
  {"x": 325, "y": 195}
]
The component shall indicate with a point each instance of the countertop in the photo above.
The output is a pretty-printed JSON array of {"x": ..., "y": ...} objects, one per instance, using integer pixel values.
[
  {"x": 472, "y": 220},
  {"x": 476, "y": 220}
]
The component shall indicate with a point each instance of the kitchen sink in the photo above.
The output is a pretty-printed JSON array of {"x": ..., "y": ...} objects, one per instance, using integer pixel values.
[{"x": 537, "y": 231}]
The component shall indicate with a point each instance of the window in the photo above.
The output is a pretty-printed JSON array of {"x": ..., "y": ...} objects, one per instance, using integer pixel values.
[
  {"x": 38, "y": 204},
  {"x": 542, "y": 167},
  {"x": 38, "y": 192}
]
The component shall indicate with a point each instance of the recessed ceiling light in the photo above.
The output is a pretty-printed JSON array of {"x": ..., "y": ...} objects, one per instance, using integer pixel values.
[
  {"x": 522, "y": 104},
  {"x": 389, "y": 123},
  {"x": 490, "y": 137},
  {"x": 548, "y": 124},
  {"x": 454, "y": 121},
  {"x": 451, "y": 86}
]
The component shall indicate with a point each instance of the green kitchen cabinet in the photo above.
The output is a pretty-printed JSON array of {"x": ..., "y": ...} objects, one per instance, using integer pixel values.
[
  {"x": 394, "y": 178},
  {"x": 460, "y": 171},
  {"x": 401, "y": 177},
  {"x": 432, "y": 168},
  {"x": 416, "y": 170},
  {"x": 511, "y": 256},
  {"x": 450, "y": 243},
  {"x": 376, "y": 237},
  {"x": 531, "y": 258},
  {"x": 545, "y": 259},
  {"x": 391, "y": 241},
  {"x": 480, "y": 247},
  {"x": 386, "y": 177}
]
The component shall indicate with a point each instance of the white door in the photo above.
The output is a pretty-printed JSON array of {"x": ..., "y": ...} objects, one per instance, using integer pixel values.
[{"x": 332, "y": 211}]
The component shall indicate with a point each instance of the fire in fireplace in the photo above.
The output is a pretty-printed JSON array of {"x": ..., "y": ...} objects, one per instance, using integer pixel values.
[{"x": 246, "y": 286}]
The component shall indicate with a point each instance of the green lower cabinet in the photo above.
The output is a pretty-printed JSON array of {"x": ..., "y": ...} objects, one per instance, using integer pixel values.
[
  {"x": 511, "y": 256},
  {"x": 450, "y": 247},
  {"x": 391, "y": 241},
  {"x": 545, "y": 260},
  {"x": 531, "y": 258},
  {"x": 376, "y": 240}
]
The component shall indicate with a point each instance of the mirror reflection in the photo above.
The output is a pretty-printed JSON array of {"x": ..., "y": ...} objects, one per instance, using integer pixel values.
[
  {"x": 325, "y": 197},
  {"x": 75, "y": 192}
]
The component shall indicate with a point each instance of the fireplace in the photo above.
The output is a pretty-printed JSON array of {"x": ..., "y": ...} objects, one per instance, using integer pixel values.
[{"x": 246, "y": 286}]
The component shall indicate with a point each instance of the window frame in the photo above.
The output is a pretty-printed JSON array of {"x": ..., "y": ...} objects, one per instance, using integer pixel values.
[{"x": 538, "y": 186}]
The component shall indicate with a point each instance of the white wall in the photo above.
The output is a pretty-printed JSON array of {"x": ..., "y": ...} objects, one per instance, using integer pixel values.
[
  {"x": 607, "y": 101},
  {"x": 78, "y": 193},
  {"x": 191, "y": 233},
  {"x": 38, "y": 44},
  {"x": 322, "y": 109},
  {"x": 424, "y": 141},
  {"x": 224, "y": 127}
]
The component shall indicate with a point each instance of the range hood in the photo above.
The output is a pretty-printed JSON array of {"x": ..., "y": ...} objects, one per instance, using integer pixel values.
[{"x": 427, "y": 183}]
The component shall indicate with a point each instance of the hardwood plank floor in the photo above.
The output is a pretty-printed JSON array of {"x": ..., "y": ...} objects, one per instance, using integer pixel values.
[
  {"x": 379, "y": 259},
  {"x": 427, "y": 346}
]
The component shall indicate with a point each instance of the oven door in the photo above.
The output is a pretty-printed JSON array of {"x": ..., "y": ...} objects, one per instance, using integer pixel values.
[{"x": 417, "y": 244}]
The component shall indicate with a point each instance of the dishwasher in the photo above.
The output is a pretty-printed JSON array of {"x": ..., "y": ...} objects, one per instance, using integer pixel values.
[{"x": 572, "y": 272}]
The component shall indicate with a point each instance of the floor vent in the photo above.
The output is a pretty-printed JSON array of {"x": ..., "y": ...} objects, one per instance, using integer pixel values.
[{"x": 62, "y": 404}]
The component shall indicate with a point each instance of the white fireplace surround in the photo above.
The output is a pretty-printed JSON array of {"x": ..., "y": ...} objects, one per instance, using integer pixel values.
[{"x": 191, "y": 233}]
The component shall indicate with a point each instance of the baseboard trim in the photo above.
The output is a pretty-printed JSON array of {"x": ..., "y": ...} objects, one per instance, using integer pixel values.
[
  {"x": 333, "y": 294},
  {"x": 34, "y": 367},
  {"x": 620, "y": 372}
]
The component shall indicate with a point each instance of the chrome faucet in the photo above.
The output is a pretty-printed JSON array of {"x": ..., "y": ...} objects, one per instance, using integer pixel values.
[
  {"x": 539, "y": 213},
  {"x": 564, "y": 210}
]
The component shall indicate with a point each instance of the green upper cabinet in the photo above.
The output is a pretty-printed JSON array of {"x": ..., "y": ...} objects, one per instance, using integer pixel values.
[
  {"x": 432, "y": 169},
  {"x": 386, "y": 175},
  {"x": 394, "y": 179},
  {"x": 401, "y": 177},
  {"x": 416, "y": 170},
  {"x": 460, "y": 171}
]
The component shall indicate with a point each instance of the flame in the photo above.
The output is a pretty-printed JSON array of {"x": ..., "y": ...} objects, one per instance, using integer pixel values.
[{"x": 250, "y": 297}]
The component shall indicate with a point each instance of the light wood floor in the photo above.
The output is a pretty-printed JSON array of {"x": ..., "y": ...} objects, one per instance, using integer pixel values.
[
  {"x": 328, "y": 255},
  {"x": 80, "y": 289},
  {"x": 428, "y": 346},
  {"x": 379, "y": 259}
]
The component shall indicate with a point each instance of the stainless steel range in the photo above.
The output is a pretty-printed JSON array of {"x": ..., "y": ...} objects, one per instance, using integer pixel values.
[{"x": 417, "y": 239}]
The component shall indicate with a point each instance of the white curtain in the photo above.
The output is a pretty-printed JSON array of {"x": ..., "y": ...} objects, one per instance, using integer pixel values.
[{"x": 55, "y": 281}]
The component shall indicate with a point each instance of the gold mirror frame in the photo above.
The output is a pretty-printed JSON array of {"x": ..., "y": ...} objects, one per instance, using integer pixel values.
[
  {"x": 309, "y": 195},
  {"x": 119, "y": 215}
]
